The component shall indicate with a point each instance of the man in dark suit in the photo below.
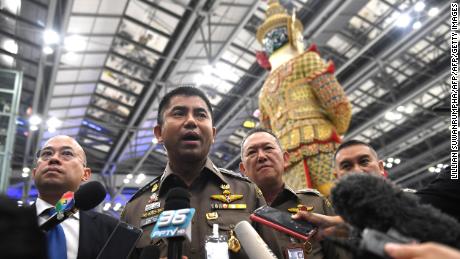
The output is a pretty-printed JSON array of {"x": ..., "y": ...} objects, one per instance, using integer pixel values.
[{"x": 61, "y": 167}]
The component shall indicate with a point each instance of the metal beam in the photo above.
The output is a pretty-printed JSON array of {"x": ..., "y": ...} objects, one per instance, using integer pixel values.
[
  {"x": 408, "y": 178},
  {"x": 402, "y": 100}
]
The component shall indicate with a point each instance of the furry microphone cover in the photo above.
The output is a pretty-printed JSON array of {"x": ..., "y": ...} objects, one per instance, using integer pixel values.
[{"x": 365, "y": 200}]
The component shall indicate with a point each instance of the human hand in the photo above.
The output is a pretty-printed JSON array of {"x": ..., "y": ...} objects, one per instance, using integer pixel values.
[
  {"x": 327, "y": 225},
  {"x": 421, "y": 251}
]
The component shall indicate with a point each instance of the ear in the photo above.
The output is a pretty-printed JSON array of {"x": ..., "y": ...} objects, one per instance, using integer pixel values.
[
  {"x": 157, "y": 132},
  {"x": 381, "y": 168},
  {"x": 242, "y": 169},
  {"x": 86, "y": 174},
  {"x": 285, "y": 158},
  {"x": 214, "y": 132}
]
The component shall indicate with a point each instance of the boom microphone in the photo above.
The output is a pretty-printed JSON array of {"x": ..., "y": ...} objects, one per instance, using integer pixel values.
[
  {"x": 368, "y": 201},
  {"x": 86, "y": 197},
  {"x": 252, "y": 243}
]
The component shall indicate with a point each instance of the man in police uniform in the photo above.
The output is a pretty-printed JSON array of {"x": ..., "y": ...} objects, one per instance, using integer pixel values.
[
  {"x": 263, "y": 161},
  {"x": 185, "y": 128}
]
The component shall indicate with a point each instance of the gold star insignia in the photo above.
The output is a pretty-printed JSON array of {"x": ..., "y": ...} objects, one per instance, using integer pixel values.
[{"x": 226, "y": 197}]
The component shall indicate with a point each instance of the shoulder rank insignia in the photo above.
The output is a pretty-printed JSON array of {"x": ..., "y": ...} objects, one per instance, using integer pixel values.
[{"x": 226, "y": 197}]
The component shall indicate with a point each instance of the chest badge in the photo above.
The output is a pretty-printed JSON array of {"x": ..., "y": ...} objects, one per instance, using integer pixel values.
[{"x": 227, "y": 197}]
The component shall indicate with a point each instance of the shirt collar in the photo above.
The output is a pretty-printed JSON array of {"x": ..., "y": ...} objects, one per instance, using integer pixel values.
[
  {"x": 169, "y": 177},
  {"x": 42, "y": 205}
]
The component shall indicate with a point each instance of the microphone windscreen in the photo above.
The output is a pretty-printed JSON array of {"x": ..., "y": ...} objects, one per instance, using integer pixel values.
[
  {"x": 369, "y": 201},
  {"x": 89, "y": 195},
  {"x": 177, "y": 198}
]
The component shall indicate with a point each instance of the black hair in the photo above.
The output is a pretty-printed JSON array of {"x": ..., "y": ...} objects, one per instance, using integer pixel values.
[
  {"x": 181, "y": 91},
  {"x": 256, "y": 130},
  {"x": 354, "y": 142}
]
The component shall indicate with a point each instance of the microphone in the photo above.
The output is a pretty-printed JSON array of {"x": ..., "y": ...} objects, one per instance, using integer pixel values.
[
  {"x": 252, "y": 243},
  {"x": 174, "y": 222},
  {"x": 369, "y": 201},
  {"x": 150, "y": 252},
  {"x": 86, "y": 197}
]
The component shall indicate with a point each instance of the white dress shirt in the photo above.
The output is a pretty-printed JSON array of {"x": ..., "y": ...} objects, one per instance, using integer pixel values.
[{"x": 71, "y": 227}]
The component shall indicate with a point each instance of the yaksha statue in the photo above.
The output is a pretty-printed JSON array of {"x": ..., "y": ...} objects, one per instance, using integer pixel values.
[{"x": 301, "y": 101}]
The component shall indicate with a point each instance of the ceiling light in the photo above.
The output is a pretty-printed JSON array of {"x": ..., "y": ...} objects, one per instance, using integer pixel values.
[
  {"x": 392, "y": 116},
  {"x": 129, "y": 176},
  {"x": 35, "y": 120},
  {"x": 117, "y": 206},
  {"x": 126, "y": 181},
  {"x": 439, "y": 165},
  {"x": 397, "y": 161},
  {"x": 11, "y": 46},
  {"x": 51, "y": 130},
  {"x": 409, "y": 109},
  {"x": 417, "y": 25},
  {"x": 433, "y": 11},
  {"x": 14, "y": 6},
  {"x": 26, "y": 170},
  {"x": 107, "y": 206},
  {"x": 419, "y": 6},
  {"x": 70, "y": 56},
  {"x": 154, "y": 141},
  {"x": 48, "y": 50},
  {"x": 437, "y": 170},
  {"x": 389, "y": 165},
  {"x": 50, "y": 37},
  {"x": 431, "y": 169},
  {"x": 25, "y": 175},
  {"x": 53, "y": 122},
  {"x": 390, "y": 160},
  {"x": 403, "y": 20},
  {"x": 401, "y": 108},
  {"x": 33, "y": 127},
  {"x": 141, "y": 176},
  {"x": 75, "y": 43}
]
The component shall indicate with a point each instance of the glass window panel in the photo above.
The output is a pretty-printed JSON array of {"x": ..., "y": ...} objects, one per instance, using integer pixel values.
[
  {"x": 112, "y": 93},
  {"x": 128, "y": 67},
  {"x": 122, "y": 81}
]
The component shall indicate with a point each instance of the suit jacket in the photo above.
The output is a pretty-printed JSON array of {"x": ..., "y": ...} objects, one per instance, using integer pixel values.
[{"x": 95, "y": 229}]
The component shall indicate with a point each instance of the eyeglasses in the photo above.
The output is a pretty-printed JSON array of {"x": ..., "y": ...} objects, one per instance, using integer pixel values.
[{"x": 65, "y": 154}]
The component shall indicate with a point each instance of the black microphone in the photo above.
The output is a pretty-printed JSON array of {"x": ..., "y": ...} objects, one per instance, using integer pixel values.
[
  {"x": 373, "y": 202},
  {"x": 150, "y": 252},
  {"x": 176, "y": 198},
  {"x": 86, "y": 197}
]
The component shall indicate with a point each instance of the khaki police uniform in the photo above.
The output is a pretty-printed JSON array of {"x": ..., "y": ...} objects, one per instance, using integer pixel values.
[
  {"x": 218, "y": 196},
  {"x": 289, "y": 201}
]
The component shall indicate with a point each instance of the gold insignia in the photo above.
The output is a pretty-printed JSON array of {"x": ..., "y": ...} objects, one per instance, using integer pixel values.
[
  {"x": 233, "y": 243},
  {"x": 212, "y": 215},
  {"x": 295, "y": 210},
  {"x": 227, "y": 197},
  {"x": 259, "y": 192},
  {"x": 154, "y": 187},
  {"x": 151, "y": 213},
  {"x": 225, "y": 187}
]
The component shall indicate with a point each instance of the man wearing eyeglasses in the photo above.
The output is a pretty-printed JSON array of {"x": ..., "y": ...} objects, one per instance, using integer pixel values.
[{"x": 61, "y": 167}]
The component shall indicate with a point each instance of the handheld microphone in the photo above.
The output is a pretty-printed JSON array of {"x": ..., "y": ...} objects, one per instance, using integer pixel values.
[
  {"x": 86, "y": 197},
  {"x": 368, "y": 201},
  {"x": 252, "y": 243},
  {"x": 174, "y": 222}
]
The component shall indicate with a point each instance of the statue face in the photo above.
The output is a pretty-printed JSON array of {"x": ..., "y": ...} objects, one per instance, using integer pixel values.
[{"x": 275, "y": 39}]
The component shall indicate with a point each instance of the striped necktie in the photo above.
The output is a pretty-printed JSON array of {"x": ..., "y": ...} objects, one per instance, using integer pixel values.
[{"x": 57, "y": 248}]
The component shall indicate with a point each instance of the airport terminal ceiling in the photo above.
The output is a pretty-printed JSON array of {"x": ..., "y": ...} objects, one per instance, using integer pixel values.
[{"x": 96, "y": 69}]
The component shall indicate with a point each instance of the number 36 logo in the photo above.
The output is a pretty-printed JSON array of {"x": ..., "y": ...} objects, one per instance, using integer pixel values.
[{"x": 173, "y": 217}]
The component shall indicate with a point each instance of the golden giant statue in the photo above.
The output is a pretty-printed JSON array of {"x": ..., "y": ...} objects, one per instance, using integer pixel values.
[{"x": 301, "y": 101}]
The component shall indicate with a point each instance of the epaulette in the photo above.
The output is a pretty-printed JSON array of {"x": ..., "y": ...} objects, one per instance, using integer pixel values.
[
  {"x": 145, "y": 188},
  {"x": 233, "y": 174},
  {"x": 308, "y": 191}
]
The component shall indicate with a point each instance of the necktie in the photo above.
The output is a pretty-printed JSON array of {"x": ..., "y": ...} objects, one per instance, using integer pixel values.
[{"x": 57, "y": 248}]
